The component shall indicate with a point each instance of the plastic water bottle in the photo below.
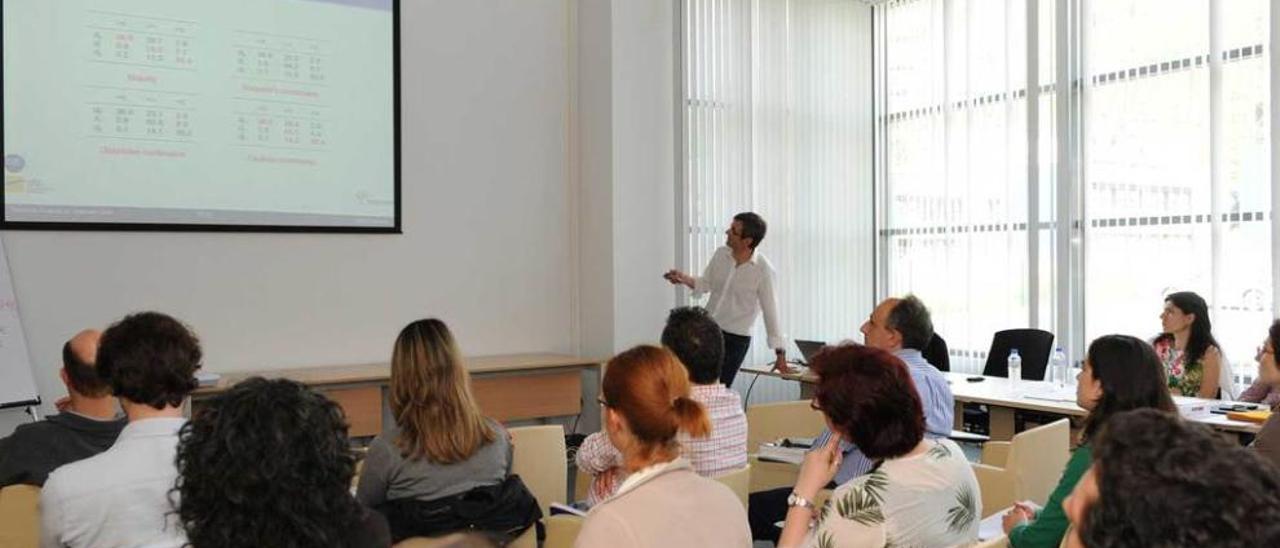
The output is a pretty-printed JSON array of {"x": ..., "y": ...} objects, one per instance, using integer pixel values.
[
  {"x": 1015, "y": 368},
  {"x": 1059, "y": 367}
]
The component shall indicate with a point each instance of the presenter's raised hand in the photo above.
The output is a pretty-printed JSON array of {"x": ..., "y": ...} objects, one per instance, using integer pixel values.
[{"x": 677, "y": 277}]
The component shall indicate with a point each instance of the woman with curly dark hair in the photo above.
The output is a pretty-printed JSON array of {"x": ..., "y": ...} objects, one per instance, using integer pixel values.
[{"x": 268, "y": 463}]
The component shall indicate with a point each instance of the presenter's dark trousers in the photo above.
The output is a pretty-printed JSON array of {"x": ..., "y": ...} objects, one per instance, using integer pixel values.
[{"x": 735, "y": 350}]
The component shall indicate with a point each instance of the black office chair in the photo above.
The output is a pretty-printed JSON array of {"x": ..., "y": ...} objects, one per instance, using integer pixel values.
[
  {"x": 1034, "y": 346},
  {"x": 936, "y": 353}
]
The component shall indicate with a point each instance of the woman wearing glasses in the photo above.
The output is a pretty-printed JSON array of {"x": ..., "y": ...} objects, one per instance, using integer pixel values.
[
  {"x": 920, "y": 492},
  {"x": 663, "y": 502},
  {"x": 1267, "y": 443}
]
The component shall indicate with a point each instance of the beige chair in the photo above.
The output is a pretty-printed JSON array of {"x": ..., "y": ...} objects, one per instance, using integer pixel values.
[
  {"x": 767, "y": 422},
  {"x": 1027, "y": 467},
  {"x": 738, "y": 481},
  {"x": 538, "y": 457},
  {"x": 581, "y": 484},
  {"x": 20, "y": 516},
  {"x": 562, "y": 530}
]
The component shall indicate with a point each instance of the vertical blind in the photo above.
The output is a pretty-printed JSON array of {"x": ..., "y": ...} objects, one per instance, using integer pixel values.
[
  {"x": 1169, "y": 186},
  {"x": 955, "y": 228},
  {"x": 778, "y": 120}
]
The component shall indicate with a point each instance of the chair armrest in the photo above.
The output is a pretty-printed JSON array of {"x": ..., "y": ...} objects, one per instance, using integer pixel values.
[
  {"x": 767, "y": 475},
  {"x": 562, "y": 530},
  {"x": 996, "y": 484},
  {"x": 995, "y": 453}
]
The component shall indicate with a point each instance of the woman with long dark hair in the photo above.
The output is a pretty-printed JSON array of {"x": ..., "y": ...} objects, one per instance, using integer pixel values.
[
  {"x": 1121, "y": 373},
  {"x": 268, "y": 463},
  {"x": 1193, "y": 361}
]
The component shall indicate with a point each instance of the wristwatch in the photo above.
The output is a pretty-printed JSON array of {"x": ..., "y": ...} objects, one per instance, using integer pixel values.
[{"x": 794, "y": 499}]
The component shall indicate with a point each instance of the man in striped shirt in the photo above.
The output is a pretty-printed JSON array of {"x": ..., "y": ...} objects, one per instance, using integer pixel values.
[{"x": 696, "y": 339}]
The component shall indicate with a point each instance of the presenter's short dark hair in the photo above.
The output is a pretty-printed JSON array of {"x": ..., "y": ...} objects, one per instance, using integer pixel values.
[
  {"x": 149, "y": 358},
  {"x": 870, "y": 398},
  {"x": 1163, "y": 481},
  {"x": 83, "y": 376},
  {"x": 753, "y": 227},
  {"x": 696, "y": 339},
  {"x": 911, "y": 318}
]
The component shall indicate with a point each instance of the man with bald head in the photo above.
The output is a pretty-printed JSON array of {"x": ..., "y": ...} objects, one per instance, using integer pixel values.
[{"x": 87, "y": 425}]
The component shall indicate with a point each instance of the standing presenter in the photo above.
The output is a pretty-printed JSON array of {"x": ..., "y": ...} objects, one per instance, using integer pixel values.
[{"x": 742, "y": 284}]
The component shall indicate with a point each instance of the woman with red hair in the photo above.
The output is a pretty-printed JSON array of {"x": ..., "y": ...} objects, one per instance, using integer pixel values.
[
  {"x": 663, "y": 502},
  {"x": 919, "y": 492}
]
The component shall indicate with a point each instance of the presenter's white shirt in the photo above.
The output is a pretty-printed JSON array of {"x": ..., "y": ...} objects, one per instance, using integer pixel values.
[
  {"x": 119, "y": 497},
  {"x": 740, "y": 293}
]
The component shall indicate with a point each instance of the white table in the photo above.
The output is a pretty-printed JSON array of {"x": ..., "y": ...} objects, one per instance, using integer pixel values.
[{"x": 1003, "y": 400}]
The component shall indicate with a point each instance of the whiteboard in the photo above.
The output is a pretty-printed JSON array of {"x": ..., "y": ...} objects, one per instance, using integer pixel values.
[{"x": 17, "y": 383}]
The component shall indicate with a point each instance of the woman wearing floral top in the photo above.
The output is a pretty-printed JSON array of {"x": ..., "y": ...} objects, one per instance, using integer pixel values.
[
  {"x": 1193, "y": 362},
  {"x": 920, "y": 492}
]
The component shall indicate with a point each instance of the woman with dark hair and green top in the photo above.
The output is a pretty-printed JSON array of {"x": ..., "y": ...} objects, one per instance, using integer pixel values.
[
  {"x": 1121, "y": 373},
  {"x": 1193, "y": 362}
]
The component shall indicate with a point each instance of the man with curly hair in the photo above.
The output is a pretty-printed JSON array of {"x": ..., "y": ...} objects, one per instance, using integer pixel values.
[{"x": 121, "y": 496}]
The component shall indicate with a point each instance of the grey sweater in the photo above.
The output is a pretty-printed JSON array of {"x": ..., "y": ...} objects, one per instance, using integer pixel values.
[
  {"x": 38, "y": 448},
  {"x": 388, "y": 475}
]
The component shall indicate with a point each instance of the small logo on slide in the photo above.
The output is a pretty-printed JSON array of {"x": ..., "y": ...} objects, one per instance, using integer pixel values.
[{"x": 14, "y": 163}]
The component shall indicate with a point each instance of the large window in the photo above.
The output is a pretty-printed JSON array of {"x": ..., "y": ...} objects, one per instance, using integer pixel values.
[
  {"x": 777, "y": 119},
  {"x": 1150, "y": 139}
]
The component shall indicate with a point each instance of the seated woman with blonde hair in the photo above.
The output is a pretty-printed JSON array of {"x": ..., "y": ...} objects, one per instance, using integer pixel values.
[
  {"x": 440, "y": 447},
  {"x": 663, "y": 502}
]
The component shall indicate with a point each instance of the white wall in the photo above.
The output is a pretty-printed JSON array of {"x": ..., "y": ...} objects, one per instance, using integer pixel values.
[
  {"x": 626, "y": 90},
  {"x": 538, "y": 200},
  {"x": 487, "y": 245}
]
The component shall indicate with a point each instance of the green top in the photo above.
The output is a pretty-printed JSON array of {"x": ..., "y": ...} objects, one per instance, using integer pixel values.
[{"x": 1050, "y": 524}]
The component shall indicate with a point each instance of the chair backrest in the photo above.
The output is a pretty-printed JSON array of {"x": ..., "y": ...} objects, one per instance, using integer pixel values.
[
  {"x": 767, "y": 422},
  {"x": 739, "y": 481},
  {"x": 1034, "y": 345},
  {"x": 936, "y": 353},
  {"x": 20, "y": 516},
  {"x": 538, "y": 456},
  {"x": 1037, "y": 458}
]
